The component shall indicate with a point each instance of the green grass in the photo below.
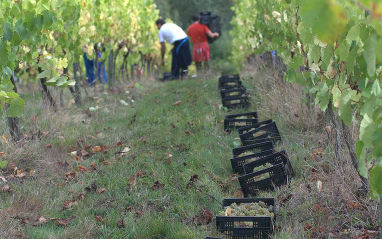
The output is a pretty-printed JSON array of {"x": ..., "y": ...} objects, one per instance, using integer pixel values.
[{"x": 153, "y": 128}]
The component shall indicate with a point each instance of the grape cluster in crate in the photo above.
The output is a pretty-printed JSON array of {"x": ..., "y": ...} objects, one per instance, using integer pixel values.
[{"x": 259, "y": 166}]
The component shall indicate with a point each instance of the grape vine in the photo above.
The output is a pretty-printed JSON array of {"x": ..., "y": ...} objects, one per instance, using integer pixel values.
[{"x": 333, "y": 49}]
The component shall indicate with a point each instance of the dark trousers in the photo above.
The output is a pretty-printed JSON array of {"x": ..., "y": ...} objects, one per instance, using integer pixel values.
[{"x": 181, "y": 58}]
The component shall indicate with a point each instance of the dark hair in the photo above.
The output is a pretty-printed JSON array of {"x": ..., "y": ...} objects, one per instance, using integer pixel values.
[
  {"x": 195, "y": 18},
  {"x": 160, "y": 21}
]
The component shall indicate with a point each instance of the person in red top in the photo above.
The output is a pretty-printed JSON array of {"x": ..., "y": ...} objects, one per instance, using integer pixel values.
[{"x": 198, "y": 34}]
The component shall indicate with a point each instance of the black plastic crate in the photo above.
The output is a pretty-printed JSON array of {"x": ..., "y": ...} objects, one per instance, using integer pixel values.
[
  {"x": 213, "y": 23},
  {"x": 239, "y": 162},
  {"x": 231, "y": 121},
  {"x": 269, "y": 132},
  {"x": 262, "y": 227},
  {"x": 236, "y": 91},
  {"x": 274, "y": 159},
  {"x": 243, "y": 130},
  {"x": 251, "y": 186},
  {"x": 254, "y": 148},
  {"x": 235, "y": 102}
]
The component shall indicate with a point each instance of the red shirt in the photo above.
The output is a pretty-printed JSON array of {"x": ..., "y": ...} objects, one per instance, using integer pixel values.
[{"x": 198, "y": 33}]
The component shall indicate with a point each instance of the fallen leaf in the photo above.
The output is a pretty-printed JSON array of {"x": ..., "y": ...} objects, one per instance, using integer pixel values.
[
  {"x": 93, "y": 166},
  {"x": 121, "y": 224},
  {"x": 174, "y": 126},
  {"x": 2, "y": 154},
  {"x": 308, "y": 226},
  {"x": 119, "y": 143},
  {"x": 65, "y": 221},
  {"x": 99, "y": 219},
  {"x": 5, "y": 137},
  {"x": 49, "y": 146},
  {"x": 42, "y": 220},
  {"x": 81, "y": 196},
  {"x": 67, "y": 205},
  {"x": 204, "y": 218},
  {"x": 239, "y": 193},
  {"x": 94, "y": 186},
  {"x": 84, "y": 153},
  {"x": 83, "y": 169},
  {"x": 25, "y": 220},
  {"x": 157, "y": 185},
  {"x": 221, "y": 121},
  {"x": 3, "y": 179},
  {"x": 177, "y": 103},
  {"x": 286, "y": 199},
  {"x": 328, "y": 129},
  {"x": 353, "y": 205},
  {"x": 132, "y": 181},
  {"x": 102, "y": 190},
  {"x": 96, "y": 149},
  {"x": 45, "y": 133},
  {"x": 34, "y": 118},
  {"x": 91, "y": 137},
  {"x": 140, "y": 174},
  {"x": 105, "y": 163},
  {"x": 6, "y": 188},
  {"x": 19, "y": 173},
  {"x": 188, "y": 132},
  {"x": 191, "y": 123},
  {"x": 71, "y": 174},
  {"x": 319, "y": 186}
]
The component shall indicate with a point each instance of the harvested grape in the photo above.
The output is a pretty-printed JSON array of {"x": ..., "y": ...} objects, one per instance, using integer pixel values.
[
  {"x": 260, "y": 133},
  {"x": 254, "y": 209},
  {"x": 264, "y": 175},
  {"x": 245, "y": 153}
]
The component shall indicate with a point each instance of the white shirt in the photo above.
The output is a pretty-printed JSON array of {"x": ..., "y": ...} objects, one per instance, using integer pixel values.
[{"x": 170, "y": 33}]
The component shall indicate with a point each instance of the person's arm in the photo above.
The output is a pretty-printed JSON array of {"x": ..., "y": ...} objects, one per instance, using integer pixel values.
[
  {"x": 212, "y": 34},
  {"x": 163, "y": 51}
]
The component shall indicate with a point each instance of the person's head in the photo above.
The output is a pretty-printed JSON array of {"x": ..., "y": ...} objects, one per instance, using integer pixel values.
[
  {"x": 160, "y": 22},
  {"x": 195, "y": 18}
]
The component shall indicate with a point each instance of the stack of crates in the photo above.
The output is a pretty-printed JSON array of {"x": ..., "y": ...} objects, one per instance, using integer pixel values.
[{"x": 233, "y": 92}]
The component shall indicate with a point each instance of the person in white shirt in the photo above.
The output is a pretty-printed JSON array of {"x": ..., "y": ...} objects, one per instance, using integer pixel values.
[{"x": 181, "y": 54}]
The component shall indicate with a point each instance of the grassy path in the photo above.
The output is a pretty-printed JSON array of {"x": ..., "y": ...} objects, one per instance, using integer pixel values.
[{"x": 168, "y": 144}]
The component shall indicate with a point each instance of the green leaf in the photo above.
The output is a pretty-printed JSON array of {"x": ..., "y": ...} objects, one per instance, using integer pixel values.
[
  {"x": 351, "y": 59},
  {"x": 377, "y": 142},
  {"x": 4, "y": 56},
  {"x": 370, "y": 54},
  {"x": 366, "y": 129},
  {"x": 44, "y": 74},
  {"x": 379, "y": 51},
  {"x": 327, "y": 54},
  {"x": 3, "y": 164},
  {"x": 376, "y": 180},
  {"x": 314, "y": 53},
  {"x": 345, "y": 107},
  {"x": 21, "y": 30},
  {"x": 52, "y": 82},
  {"x": 361, "y": 154},
  {"x": 7, "y": 71},
  {"x": 16, "y": 107},
  {"x": 7, "y": 31},
  {"x": 353, "y": 34},
  {"x": 376, "y": 88},
  {"x": 343, "y": 49}
]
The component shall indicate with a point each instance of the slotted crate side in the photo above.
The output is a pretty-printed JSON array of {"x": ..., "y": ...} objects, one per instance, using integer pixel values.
[
  {"x": 276, "y": 158},
  {"x": 252, "y": 114},
  {"x": 239, "y": 162},
  {"x": 237, "y": 123},
  {"x": 255, "y": 148},
  {"x": 268, "y": 132},
  {"x": 270, "y": 128},
  {"x": 277, "y": 177},
  {"x": 262, "y": 227},
  {"x": 228, "y": 77},
  {"x": 233, "y": 102},
  {"x": 233, "y": 92},
  {"x": 230, "y": 83},
  {"x": 241, "y": 130},
  {"x": 214, "y": 238}
]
